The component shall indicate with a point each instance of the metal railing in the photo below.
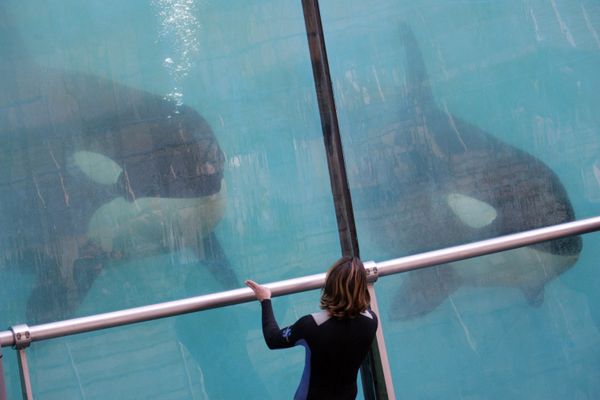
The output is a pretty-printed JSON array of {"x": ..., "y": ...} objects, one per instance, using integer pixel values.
[{"x": 21, "y": 336}]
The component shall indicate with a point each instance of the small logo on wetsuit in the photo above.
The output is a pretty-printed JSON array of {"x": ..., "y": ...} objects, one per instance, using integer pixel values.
[{"x": 286, "y": 333}]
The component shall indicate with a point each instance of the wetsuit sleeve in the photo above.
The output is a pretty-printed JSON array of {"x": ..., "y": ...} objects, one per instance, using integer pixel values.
[{"x": 280, "y": 338}]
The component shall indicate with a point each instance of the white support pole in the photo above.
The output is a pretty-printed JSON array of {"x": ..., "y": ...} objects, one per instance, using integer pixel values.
[{"x": 24, "y": 374}]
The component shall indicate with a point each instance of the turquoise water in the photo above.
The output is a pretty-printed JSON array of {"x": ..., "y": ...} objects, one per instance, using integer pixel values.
[{"x": 523, "y": 72}]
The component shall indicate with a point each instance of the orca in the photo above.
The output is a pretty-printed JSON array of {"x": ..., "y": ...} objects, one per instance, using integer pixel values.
[
  {"x": 430, "y": 180},
  {"x": 94, "y": 172}
]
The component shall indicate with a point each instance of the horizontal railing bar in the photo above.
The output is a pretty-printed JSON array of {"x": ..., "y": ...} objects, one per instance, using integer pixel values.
[
  {"x": 297, "y": 285},
  {"x": 161, "y": 310},
  {"x": 489, "y": 246}
]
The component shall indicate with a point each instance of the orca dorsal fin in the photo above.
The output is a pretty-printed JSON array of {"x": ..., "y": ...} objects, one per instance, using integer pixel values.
[
  {"x": 418, "y": 86},
  {"x": 12, "y": 48}
]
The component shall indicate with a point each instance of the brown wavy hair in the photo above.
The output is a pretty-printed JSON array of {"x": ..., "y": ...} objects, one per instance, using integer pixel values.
[{"x": 345, "y": 294}]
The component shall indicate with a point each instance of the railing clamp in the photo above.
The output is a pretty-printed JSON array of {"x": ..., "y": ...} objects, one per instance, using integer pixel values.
[
  {"x": 21, "y": 335},
  {"x": 372, "y": 272}
]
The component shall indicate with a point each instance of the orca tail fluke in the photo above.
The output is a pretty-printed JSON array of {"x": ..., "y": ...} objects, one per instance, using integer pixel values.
[
  {"x": 218, "y": 264},
  {"x": 50, "y": 300}
]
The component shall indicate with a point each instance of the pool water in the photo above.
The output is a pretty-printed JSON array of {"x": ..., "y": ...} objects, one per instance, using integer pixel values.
[{"x": 522, "y": 75}]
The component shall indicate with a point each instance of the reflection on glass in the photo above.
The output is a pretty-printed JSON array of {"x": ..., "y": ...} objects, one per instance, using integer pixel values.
[
  {"x": 424, "y": 178},
  {"x": 488, "y": 342},
  {"x": 95, "y": 172},
  {"x": 214, "y": 354},
  {"x": 198, "y": 356},
  {"x": 153, "y": 151},
  {"x": 443, "y": 170},
  {"x": 463, "y": 122}
]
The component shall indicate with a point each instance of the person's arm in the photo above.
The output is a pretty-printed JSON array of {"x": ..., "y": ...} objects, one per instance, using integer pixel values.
[
  {"x": 274, "y": 337},
  {"x": 278, "y": 338}
]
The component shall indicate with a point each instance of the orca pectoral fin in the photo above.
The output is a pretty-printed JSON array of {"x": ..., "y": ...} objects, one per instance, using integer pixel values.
[
  {"x": 85, "y": 272},
  {"x": 48, "y": 302},
  {"x": 422, "y": 291},
  {"x": 217, "y": 262},
  {"x": 87, "y": 267},
  {"x": 534, "y": 295},
  {"x": 52, "y": 296}
]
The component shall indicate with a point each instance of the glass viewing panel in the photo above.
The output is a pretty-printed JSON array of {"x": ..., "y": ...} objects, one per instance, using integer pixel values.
[
  {"x": 463, "y": 121},
  {"x": 153, "y": 151}
]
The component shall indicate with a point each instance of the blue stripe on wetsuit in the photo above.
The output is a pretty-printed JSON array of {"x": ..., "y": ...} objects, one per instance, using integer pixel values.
[{"x": 302, "y": 391}]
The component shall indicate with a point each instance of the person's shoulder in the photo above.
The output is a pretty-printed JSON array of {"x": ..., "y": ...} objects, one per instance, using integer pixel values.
[
  {"x": 306, "y": 320},
  {"x": 319, "y": 318},
  {"x": 370, "y": 315}
]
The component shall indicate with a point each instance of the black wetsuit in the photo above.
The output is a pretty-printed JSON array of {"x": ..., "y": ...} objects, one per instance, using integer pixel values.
[{"x": 335, "y": 348}]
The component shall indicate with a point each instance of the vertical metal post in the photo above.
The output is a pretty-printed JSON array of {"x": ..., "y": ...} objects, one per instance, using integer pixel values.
[
  {"x": 331, "y": 132},
  {"x": 2, "y": 382},
  {"x": 373, "y": 384},
  {"x": 22, "y": 340}
]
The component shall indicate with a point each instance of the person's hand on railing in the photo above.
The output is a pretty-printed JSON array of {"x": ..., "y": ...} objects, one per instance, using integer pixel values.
[{"x": 261, "y": 292}]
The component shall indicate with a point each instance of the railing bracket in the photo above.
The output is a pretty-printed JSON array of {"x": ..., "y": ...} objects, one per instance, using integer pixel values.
[
  {"x": 372, "y": 272},
  {"x": 22, "y": 336}
]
